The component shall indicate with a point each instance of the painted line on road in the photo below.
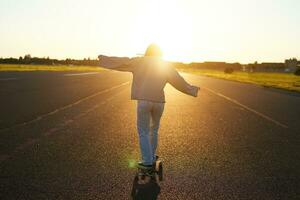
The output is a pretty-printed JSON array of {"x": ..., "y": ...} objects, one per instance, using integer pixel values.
[
  {"x": 38, "y": 118},
  {"x": 52, "y": 131},
  {"x": 8, "y": 79},
  {"x": 247, "y": 108},
  {"x": 82, "y": 74}
]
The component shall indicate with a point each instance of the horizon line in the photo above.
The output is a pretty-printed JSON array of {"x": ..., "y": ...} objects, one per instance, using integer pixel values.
[{"x": 139, "y": 55}]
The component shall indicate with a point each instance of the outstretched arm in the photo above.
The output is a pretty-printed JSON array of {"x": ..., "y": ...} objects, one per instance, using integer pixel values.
[
  {"x": 116, "y": 63},
  {"x": 177, "y": 81}
]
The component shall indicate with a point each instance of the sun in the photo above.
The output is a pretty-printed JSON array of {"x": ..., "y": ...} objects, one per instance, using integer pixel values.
[{"x": 167, "y": 26}]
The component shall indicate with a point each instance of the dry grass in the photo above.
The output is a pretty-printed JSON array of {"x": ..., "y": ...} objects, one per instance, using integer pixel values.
[{"x": 277, "y": 80}]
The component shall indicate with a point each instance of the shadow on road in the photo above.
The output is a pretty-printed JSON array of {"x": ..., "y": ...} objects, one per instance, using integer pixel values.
[{"x": 148, "y": 191}]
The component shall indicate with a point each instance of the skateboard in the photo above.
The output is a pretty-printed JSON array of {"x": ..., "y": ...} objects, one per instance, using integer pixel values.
[
  {"x": 156, "y": 173},
  {"x": 145, "y": 184}
]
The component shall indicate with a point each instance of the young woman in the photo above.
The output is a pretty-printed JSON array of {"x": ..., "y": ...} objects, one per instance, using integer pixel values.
[{"x": 150, "y": 75}]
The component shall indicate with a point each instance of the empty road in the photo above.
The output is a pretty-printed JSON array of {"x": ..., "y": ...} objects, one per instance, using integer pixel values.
[{"x": 71, "y": 135}]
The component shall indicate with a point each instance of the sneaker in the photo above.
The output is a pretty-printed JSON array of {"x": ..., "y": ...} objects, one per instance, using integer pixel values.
[
  {"x": 142, "y": 166},
  {"x": 145, "y": 170}
]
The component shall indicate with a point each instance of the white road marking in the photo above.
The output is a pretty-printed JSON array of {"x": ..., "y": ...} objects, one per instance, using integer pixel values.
[
  {"x": 8, "y": 79},
  {"x": 247, "y": 108},
  {"x": 51, "y": 131},
  {"x": 82, "y": 74},
  {"x": 65, "y": 107}
]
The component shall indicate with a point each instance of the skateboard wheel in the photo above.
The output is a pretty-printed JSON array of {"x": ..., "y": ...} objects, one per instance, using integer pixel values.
[{"x": 160, "y": 171}]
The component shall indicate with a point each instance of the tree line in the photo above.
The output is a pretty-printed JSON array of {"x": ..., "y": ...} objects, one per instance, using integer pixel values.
[
  {"x": 28, "y": 60},
  {"x": 290, "y": 65}
]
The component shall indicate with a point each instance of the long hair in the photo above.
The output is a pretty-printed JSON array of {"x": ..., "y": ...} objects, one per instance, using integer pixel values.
[{"x": 153, "y": 50}]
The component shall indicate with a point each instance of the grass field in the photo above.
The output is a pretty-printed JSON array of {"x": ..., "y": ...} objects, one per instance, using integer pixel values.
[
  {"x": 277, "y": 80},
  {"x": 11, "y": 67}
]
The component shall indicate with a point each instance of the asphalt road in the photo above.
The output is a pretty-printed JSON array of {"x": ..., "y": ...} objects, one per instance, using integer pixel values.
[{"x": 74, "y": 137}]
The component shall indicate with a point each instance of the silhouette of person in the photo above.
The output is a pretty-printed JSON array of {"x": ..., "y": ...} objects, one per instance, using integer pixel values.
[{"x": 150, "y": 75}]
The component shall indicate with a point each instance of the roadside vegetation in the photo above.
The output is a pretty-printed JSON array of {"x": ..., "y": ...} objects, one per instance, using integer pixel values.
[
  {"x": 285, "y": 81},
  {"x": 15, "y": 67}
]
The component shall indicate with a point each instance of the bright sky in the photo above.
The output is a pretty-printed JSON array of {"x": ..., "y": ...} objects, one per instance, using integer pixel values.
[{"x": 187, "y": 30}]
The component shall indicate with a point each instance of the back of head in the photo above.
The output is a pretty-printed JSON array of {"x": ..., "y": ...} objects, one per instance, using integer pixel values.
[
  {"x": 153, "y": 50},
  {"x": 153, "y": 62}
]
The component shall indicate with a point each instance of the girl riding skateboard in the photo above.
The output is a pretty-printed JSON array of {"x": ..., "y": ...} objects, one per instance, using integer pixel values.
[{"x": 150, "y": 75}]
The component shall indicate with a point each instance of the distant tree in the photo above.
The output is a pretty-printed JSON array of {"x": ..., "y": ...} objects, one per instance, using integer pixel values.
[
  {"x": 27, "y": 57},
  {"x": 291, "y": 64}
]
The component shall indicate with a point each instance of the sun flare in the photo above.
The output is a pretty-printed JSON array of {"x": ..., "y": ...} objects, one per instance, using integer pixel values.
[{"x": 172, "y": 31}]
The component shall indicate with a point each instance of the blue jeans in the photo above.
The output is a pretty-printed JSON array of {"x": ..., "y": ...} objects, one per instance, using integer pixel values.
[{"x": 148, "y": 112}]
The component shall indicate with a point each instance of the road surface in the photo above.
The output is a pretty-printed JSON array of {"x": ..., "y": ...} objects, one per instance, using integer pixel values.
[{"x": 71, "y": 135}]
